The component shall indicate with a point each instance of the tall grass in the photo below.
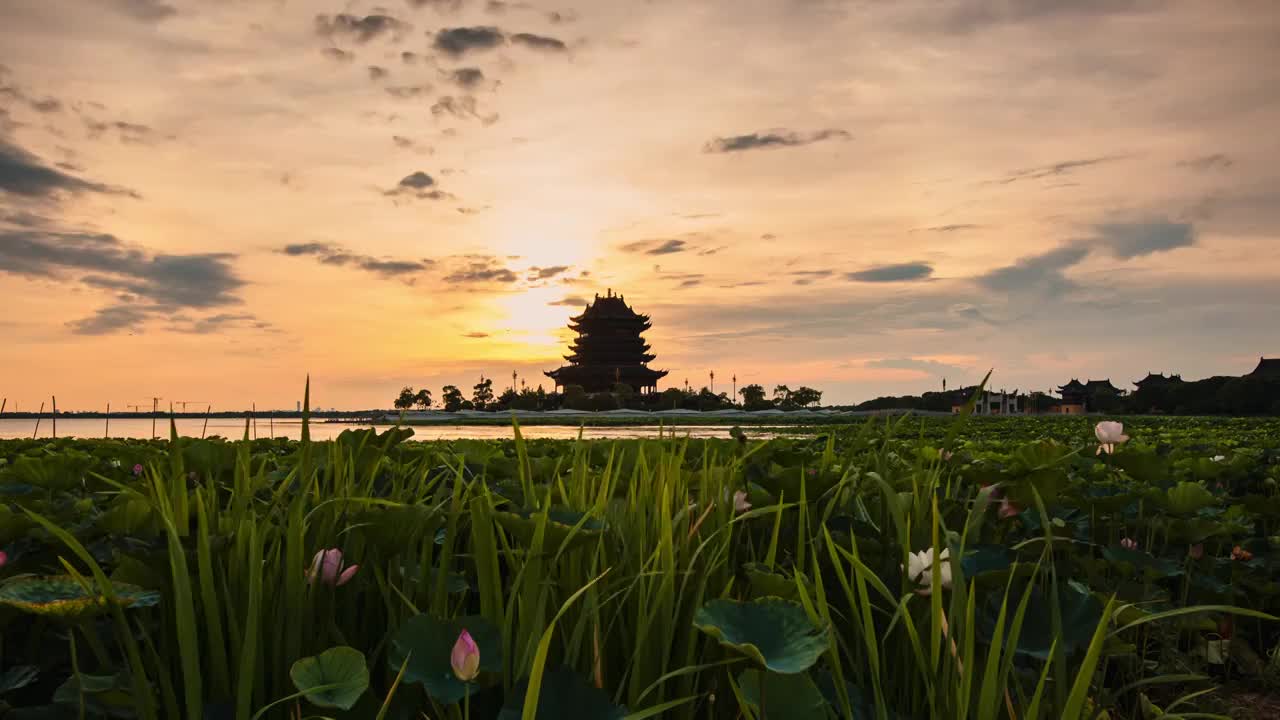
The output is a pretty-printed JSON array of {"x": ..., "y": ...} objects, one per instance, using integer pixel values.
[{"x": 597, "y": 559}]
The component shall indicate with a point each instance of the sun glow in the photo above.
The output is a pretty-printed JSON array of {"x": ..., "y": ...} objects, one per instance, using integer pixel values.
[{"x": 530, "y": 318}]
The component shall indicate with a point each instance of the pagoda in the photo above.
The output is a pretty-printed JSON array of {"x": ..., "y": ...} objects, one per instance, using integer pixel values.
[{"x": 609, "y": 349}]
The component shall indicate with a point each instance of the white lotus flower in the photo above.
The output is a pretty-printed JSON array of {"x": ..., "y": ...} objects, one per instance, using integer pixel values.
[
  {"x": 1110, "y": 434},
  {"x": 920, "y": 570},
  {"x": 1219, "y": 458}
]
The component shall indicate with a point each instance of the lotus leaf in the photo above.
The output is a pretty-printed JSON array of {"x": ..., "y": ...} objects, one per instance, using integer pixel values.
[
  {"x": 64, "y": 596},
  {"x": 774, "y": 632},
  {"x": 522, "y": 524},
  {"x": 336, "y": 677},
  {"x": 794, "y": 696}
]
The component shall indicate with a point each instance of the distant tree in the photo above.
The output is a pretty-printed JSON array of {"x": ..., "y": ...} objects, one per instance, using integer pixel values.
[
  {"x": 508, "y": 399},
  {"x": 624, "y": 393},
  {"x": 422, "y": 399},
  {"x": 782, "y": 395},
  {"x": 753, "y": 398},
  {"x": 575, "y": 398},
  {"x": 452, "y": 398},
  {"x": 672, "y": 398},
  {"x": 805, "y": 396},
  {"x": 406, "y": 398},
  {"x": 482, "y": 393}
]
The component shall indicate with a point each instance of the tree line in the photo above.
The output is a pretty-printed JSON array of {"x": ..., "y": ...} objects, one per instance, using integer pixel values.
[{"x": 622, "y": 396}]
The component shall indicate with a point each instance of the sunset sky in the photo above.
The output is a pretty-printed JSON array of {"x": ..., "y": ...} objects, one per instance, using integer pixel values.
[{"x": 207, "y": 199}]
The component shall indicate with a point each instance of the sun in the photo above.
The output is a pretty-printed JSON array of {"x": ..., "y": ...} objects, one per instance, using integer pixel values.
[{"x": 531, "y": 317}]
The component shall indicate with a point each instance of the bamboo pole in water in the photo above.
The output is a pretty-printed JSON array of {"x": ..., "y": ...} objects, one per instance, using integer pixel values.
[
  {"x": 272, "y": 420},
  {"x": 254, "y": 413},
  {"x": 36, "y": 432},
  {"x": 55, "y": 416},
  {"x": 106, "y": 430},
  {"x": 207, "y": 410},
  {"x": 154, "y": 404}
]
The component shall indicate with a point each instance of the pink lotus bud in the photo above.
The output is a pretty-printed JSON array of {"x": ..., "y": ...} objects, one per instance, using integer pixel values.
[
  {"x": 137, "y": 469},
  {"x": 465, "y": 658},
  {"x": 1129, "y": 544},
  {"x": 740, "y": 502},
  {"x": 327, "y": 566},
  {"x": 1009, "y": 509},
  {"x": 4, "y": 558}
]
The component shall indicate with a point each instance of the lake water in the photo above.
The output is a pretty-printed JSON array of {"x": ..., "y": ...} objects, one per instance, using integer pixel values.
[{"x": 234, "y": 428}]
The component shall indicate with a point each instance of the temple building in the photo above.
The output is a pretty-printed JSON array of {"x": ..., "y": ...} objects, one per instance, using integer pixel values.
[
  {"x": 1152, "y": 381},
  {"x": 1078, "y": 397},
  {"x": 1267, "y": 368},
  {"x": 609, "y": 349}
]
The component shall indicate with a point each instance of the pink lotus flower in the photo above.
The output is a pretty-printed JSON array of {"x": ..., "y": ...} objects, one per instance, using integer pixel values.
[
  {"x": 4, "y": 558},
  {"x": 1110, "y": 434},
  {"x": 327, "y": 565},
  {"x": 1196, "y": 551},
  {"x": 740, "y": 502},
  {"x": 1129, "y": 544},
  {"x": 1009, "y": 509},
  {"x": 137, "y": 469},
  {"x": 465, "y": 658}
]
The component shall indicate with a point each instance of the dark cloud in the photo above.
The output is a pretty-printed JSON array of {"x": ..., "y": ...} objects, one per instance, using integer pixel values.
[
  {"x": 539, "y": 42},
  {"x": 22, "y": 173},
  {"x": 377, "y": 72},
  {"x": 656, "y": 247},
  {"x": 467, "y": 77},
  {"x": 218, "y": 323},
  {"x": 420, "y": 185},
  {"x": 441, "y": 5},
  {"x": 1205, "y": 163},
  {"x": 126, "y": 132},
  {"x": 1130, "y": 240},
  {"x": 458, "y": 41},
  {"x": 476, "y": 335},
  {"x": 712, "y": 250},
  {"x": 1042, "y": 273},
  {"x": 1056, "y": 169},
  {"x": 808, "y": 277},
  {"x": 496, "y": 7},
  {"x": 951, "y": 228},
  {"x": 145, "y": 10},
  {"x": 570, "y": 301},
  {"x": 485, "y": 271},
  {"x": 47, "y": 105},
  {"x": 965, "y": 16},
  {"x": 147, "y": 285},
  {"x": 338, "y": 54},
  {"x": 407, "y": 92},
  {"x": 555, "y": 17},
  {"x": 409, "y": 58},
  {"x": 902, "y": 272},
  {"x": 543, "y": 273},
  {"x": 334, "y": 255},
  {"x": 770, "y": 139},
  {"x": 360, "y": 29},
  {"x": 462, "y": 107}
]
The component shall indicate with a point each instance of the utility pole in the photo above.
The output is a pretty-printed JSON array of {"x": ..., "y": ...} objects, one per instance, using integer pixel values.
[
  {"x": 713, "y": 382},
  {"x": 55, "y": 416},
  {"x": 513, "y": 381},
  {"x": 734, "y": 399},
  {"x": 155, "y": 404}
]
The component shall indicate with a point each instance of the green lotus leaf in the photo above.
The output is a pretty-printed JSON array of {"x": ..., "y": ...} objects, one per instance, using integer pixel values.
[
  {"x": 774, "y": 632},
  {"x": 794, "y": 697},
  {"x": 64, "y": 596},
  {"x": 431, "y": 641},
  {"x": 1081, "y": 613},
  {"x": 770, "y": 583},
  {"x": 336, "y": 677},
  {"x": 1188, "y": 497},
  {"x": 1152, "y": 567},
  {"x": 563, "y": 694},
  {"x": 17, "y": 677},
  {"x": 562, "y": 526}
]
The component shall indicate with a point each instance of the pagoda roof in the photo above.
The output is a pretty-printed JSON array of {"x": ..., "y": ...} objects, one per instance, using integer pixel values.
[
  {"x": 1154, "y": 379},
  {"x": 1100, "y": 385},
  {"x": 1267, "y": 367},
  {"x": 1073, "y": 385},
  {"x": 609, "y": 307}
]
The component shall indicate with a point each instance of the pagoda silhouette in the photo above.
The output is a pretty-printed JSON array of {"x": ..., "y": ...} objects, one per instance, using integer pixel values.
[{"x": 609, "y": 349}]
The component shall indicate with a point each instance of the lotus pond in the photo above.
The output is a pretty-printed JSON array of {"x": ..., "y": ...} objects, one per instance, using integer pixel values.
[{"x": 911, "y": 568}]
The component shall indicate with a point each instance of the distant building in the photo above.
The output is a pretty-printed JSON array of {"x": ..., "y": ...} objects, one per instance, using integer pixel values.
[
  {"x": 1267, "y": 368},
  {"x": 995, "y": 403},
  {"x": 1078, "y": 397},
  {"x": 1153, "y": 381},
  {"x": 609, "y": 349}
]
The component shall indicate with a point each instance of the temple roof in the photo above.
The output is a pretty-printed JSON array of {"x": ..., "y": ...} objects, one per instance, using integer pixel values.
[
  {"x": 1154, "y": 379},
  {"x": 609, "y": 307},
  {"x": 1267, "y": 367},
  {"x": 1101, "y": 385}
]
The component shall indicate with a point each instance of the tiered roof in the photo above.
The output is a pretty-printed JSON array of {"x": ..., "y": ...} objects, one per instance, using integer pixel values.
[{"x": 609, "y": 348}]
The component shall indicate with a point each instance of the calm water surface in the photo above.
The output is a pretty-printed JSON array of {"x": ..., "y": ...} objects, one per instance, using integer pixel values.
[{"x": 232, "y": 428}]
